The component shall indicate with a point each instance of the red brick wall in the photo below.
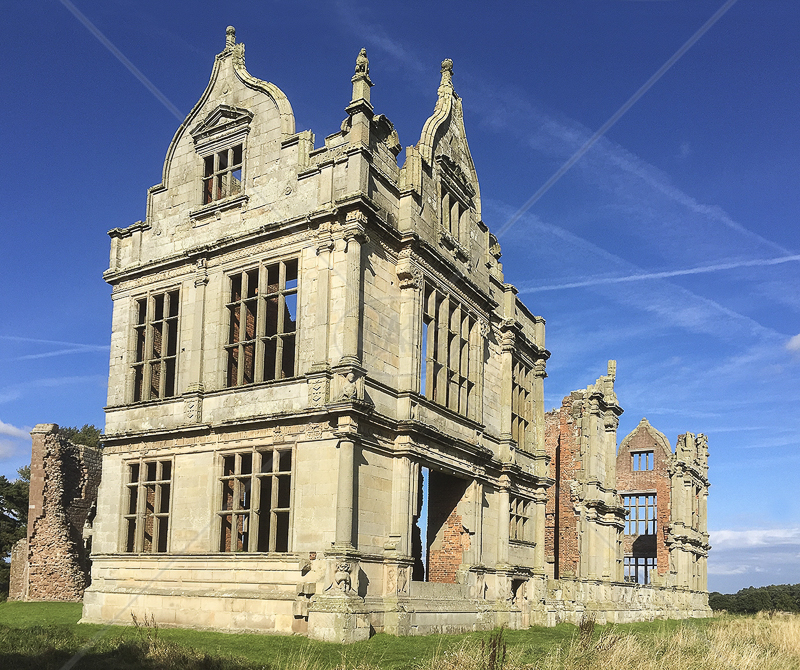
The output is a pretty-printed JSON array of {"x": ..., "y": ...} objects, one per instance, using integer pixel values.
[
  {"x": 447, "y": 538},
  {"x": 645, "y": 438},
  {"x": 562, "y": 443}
]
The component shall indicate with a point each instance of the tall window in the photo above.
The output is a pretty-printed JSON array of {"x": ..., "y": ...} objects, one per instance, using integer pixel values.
[
  {"x": 521, "y": 396},
  {"x": 642, "y": 460},
  {"x": 262, "y": 313},
  {"x": 642, "y": 513},
  {"x": 156, "y": 348},
  {"x": 520, "y": 519},
  {"x": 450, "y": 365},
  {"x": 452, "y": 214},
  {"x": 147, "y": 517},
  {"x": 638, "y": 569},
  {"x": 222, "y": 174},
  {"x": 256, "y": 500}
]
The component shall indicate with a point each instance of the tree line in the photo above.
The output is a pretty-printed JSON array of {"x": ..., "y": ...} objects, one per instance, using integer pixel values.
[{"x": 779, "y": 597}]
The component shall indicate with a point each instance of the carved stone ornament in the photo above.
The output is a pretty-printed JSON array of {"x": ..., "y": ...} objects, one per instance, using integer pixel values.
[
  {"x": 362, "y": 62},
  {"x": 341, "y": 578},
  {"x": 402, "y": 580},
  {"x": 410, "y": 275},
  {"x": 201, "y": 272},
  {"x": 350, "y": 387},
  {"x": 317, "y": 391},
  {"x": 193, "y": 409}
]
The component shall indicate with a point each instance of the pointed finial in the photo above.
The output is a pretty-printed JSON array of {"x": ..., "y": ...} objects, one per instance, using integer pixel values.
[
  {"x": 362, "y": 62},
  {"x": 447, "y": 72},
  {"x": 612, "y": 369},
  {"x": 230, "y": 37}
]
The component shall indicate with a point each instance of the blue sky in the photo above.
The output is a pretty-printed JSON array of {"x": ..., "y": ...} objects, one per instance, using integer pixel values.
[{"x": 671, "y": 245}]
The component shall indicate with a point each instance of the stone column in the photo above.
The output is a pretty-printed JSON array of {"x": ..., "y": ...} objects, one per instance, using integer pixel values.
[
  {"x": 353, "y": 237},
  {"x": 539, "y": 509},
  {"x": 503, "y": 519},
  {"x": 411, "y": 283},
  {"x": 345, "y": 494},
  {"x": 402, "y": 503},
  {"x": 193, "y": 396},
  {"x": 324, "y": 248}
]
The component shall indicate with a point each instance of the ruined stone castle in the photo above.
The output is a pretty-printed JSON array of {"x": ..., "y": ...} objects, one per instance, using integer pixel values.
[{"x": 325, "y": 408}]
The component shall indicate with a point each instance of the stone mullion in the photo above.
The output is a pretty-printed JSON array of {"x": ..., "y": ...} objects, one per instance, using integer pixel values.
[{"x": 503, "y": 519}]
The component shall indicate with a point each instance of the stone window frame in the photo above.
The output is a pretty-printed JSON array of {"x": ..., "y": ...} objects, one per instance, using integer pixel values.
[
  {"x": 521, "y": 401},
  {"x": 263, "y": 343},
  {"x": 224, "y": 129},
  {"x": 644, "y": 457},
  {"x": 450, "y": 360},
  {"x": 634, "y": 519},
  {"x": 636, "y": 565},
  {"x": 219, "y": 169},
  {"x": 520, "y": 529},
  {"x": 238, "y": 490},
  {"x": 139, "y": 482},
  {"x": 146, "y": 331}
]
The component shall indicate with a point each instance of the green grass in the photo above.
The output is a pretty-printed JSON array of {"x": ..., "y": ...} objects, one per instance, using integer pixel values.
[{"x": 41, "y": 636}]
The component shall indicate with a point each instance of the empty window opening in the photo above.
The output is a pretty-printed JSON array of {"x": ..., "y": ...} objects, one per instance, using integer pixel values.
[
  {"x": 517, "y": 591},
  {"x": 262, "y": 310},
  {"x": 520, "y": 529},
  {"x": 419, "y": 529},
  {"x": 638, "y": 569},
  {"x": 156, "y": 346},
  {"x": 642, "y": 514},
  {"x": 222, "y": 174},
  {"x": 642, "y": 460},
  {"x": 447, "y": 539},
  {"x": 450, "y": 366},
  {"x": 255, "y": 501},
  {"x": 147, "y": 512}
]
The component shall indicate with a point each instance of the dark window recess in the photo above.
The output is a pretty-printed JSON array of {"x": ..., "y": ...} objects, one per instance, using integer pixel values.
[
  {"x": 256, "y": 501},
  {"x": 222, "y": 174},
  {"x": 155, "y": 346},
  {"x": 147, "y": 511},
  {"x": 262, "y": 316}
]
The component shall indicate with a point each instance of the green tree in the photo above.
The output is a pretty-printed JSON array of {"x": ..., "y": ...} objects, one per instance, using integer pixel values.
[
  {"x": 13, "y": 519},
  {"x": 88, "y": 434}
]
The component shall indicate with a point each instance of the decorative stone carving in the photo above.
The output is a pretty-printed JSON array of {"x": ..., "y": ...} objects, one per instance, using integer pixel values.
[
  {"x": 317, "y": 391},
  {"x": 362, "y": 62},
  {"x": 201, "y": 272},
  {"x": 341, "y": 578}
]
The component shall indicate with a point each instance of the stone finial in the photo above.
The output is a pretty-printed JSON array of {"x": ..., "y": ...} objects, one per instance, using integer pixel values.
[
  {"x": 447, "y": 72},
  {"x": 362, "y": 62},
  {"x": 612, "y": 369},
  {"x": 230, "y": 37}
]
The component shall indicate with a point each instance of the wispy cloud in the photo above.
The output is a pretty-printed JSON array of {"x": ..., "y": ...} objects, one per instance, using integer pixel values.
[
  {"x": 135, "y": 71},
  {"x": 16, "y": 391},
  {"x": 760, "y": 537},
  {"x": 794, "y": 343},
  {"x": 67, "y": 347},
  {"x": 13, "y": 431}
]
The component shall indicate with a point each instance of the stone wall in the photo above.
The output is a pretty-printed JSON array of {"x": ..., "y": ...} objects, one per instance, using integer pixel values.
[{"x": 54, "y": 563}]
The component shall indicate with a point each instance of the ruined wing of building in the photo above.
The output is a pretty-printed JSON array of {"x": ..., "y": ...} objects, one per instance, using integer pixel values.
[{"x": 325, "y": 407}]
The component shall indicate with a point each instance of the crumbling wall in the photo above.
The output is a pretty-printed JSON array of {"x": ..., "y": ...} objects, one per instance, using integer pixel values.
[
  {"x": 447, "y": 537},
  {"x": 63, "y": 491},
  {"x": 562, "y": 443}
]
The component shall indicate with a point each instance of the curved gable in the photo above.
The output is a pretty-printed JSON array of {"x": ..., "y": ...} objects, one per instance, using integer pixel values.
[
  {"x": 657, "y": 437},
  {"x": 444, "y": 138}
]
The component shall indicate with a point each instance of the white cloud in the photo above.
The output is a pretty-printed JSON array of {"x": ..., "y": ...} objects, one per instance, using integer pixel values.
[
  {"x": 10, "y": 449},
  {"x": 740, "y": 539},
  {"x": 13, "y": 431},
  {"x": 793, "y": 344}
]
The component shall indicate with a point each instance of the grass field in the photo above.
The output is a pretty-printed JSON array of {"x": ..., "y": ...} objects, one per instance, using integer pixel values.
[{"x": 45, "y": 636}]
